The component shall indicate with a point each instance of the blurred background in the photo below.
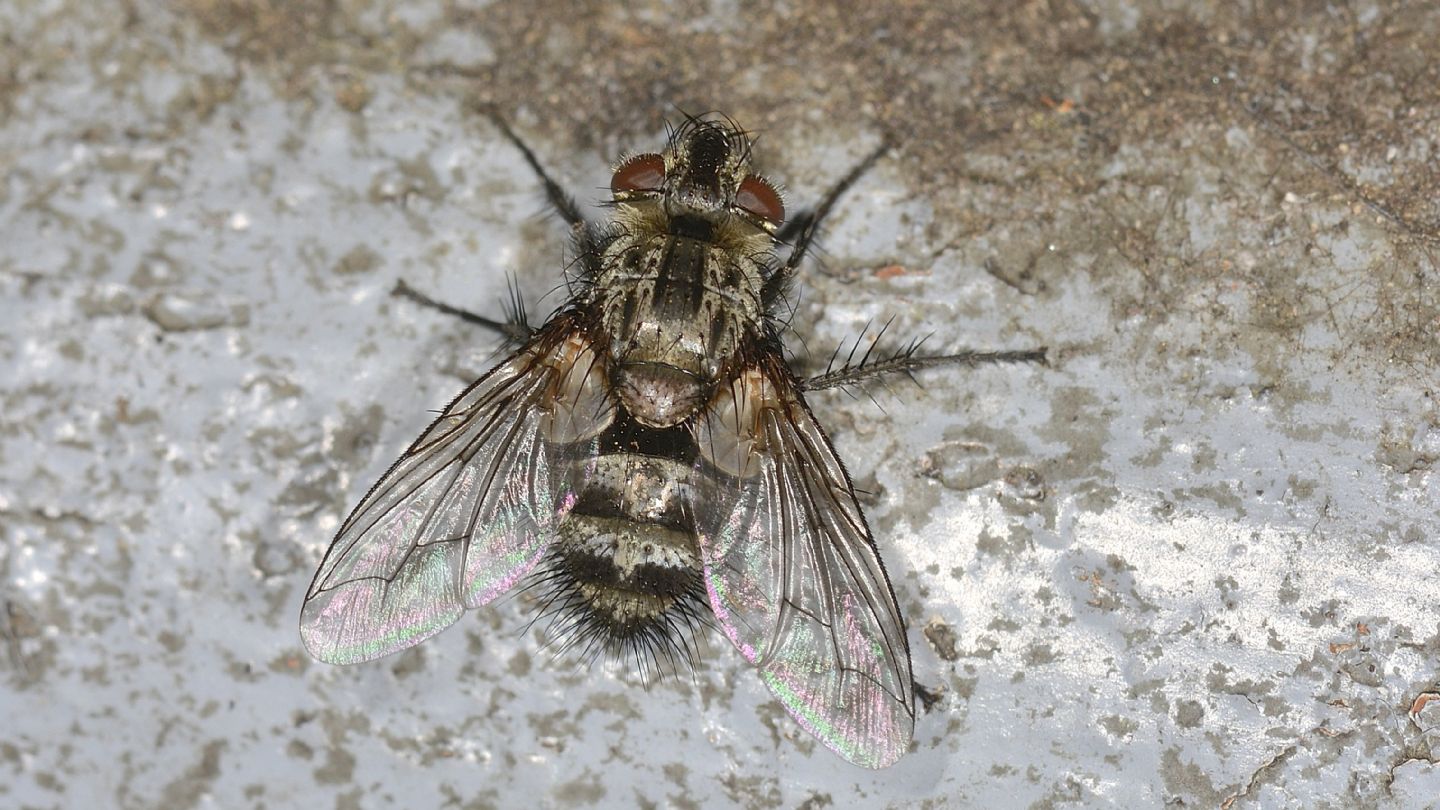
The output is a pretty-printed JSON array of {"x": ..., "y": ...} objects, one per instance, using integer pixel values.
[{"x": 1192, "y": 563}]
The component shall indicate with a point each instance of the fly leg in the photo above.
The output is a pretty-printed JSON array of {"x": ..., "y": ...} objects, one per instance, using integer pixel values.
[
  {"x": 585, "y": 234},
  {"x": 907, "y": 360},
  {"x": 516, "y": 328},
  {"x": 928, "y": 697},
  {"x": 563, "y": 202},
  {"x": 800, "y": 231}
]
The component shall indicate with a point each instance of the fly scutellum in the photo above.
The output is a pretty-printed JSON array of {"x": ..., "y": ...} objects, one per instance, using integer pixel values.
[{"x": 647, "y": 460}]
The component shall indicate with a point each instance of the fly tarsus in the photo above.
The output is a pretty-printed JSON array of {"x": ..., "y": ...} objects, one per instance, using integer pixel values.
[
  {"x": 928, "y": 697},
  {"x": 515, "y": 328}
]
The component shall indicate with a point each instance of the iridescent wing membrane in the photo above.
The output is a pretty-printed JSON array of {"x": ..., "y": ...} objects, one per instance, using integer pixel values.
[
  {"x": 466, "y": 511},
  {"x": 792, "y": 572}
]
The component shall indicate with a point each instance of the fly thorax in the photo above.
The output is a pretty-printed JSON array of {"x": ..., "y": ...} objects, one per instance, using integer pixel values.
[
  {"x": 676, "y": 304},
  {"x": 662, "y": 375}
]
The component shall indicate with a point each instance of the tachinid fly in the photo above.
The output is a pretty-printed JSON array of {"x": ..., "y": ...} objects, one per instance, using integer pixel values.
[{"x": 646, "y": 458}]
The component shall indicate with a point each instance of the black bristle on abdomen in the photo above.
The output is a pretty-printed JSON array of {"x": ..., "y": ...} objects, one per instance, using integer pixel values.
[{"x": 664, "y": 643}]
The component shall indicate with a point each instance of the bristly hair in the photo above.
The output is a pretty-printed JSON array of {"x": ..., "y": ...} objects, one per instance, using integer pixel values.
[
  {"x": 736, "y": 134},
  {"x": 665, "y": 645},
  {"x": 776, "y": 296},
  {"x": 587, "y": 245},
  {"x": 516, "y": 312},
  {"x": 903, "y": 360}
]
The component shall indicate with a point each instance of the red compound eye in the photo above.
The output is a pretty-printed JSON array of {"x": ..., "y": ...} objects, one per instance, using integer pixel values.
[
  {"x": 761, "y": 199},
  {"x": 639, "y": 173}
]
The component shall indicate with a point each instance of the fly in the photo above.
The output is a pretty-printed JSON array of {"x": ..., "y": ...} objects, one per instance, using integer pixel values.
[{"x": 647, "y": 460}]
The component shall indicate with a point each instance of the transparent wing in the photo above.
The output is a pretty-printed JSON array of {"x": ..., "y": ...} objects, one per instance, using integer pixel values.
[
  {"x": 793, "y": 575},
  {"x": 466, "y": 511}
]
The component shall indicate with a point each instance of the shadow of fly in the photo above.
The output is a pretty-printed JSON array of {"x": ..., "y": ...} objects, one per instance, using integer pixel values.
[{"x": 646, "y": 460}]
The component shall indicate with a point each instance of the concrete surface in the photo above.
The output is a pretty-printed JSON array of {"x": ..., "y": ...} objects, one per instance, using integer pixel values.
[{"x": 1192, "y": 564}]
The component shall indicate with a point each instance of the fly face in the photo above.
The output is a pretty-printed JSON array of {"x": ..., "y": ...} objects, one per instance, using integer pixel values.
[
  {"x": 647, "y": 461},
  {"x": 704, "y": 173}
]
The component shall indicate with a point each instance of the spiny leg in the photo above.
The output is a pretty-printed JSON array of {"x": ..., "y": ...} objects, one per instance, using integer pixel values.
[
  {"x": 515, "y": 328},
  {"x": 587, "y": 240},
  {"x": 907, "y": 360},
  {"x": 907, "y": 365}
]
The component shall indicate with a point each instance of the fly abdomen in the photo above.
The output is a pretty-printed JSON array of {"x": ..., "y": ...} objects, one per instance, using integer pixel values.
[
  {"x": 625, "y": 566},
  {"x": 627, "y": 573}
]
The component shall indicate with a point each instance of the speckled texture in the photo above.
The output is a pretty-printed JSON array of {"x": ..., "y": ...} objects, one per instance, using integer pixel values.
[{"x": 1193, "y": 563}]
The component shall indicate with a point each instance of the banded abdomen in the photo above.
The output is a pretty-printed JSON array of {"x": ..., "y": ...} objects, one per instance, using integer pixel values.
[{"x": 625, "y": 565}]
